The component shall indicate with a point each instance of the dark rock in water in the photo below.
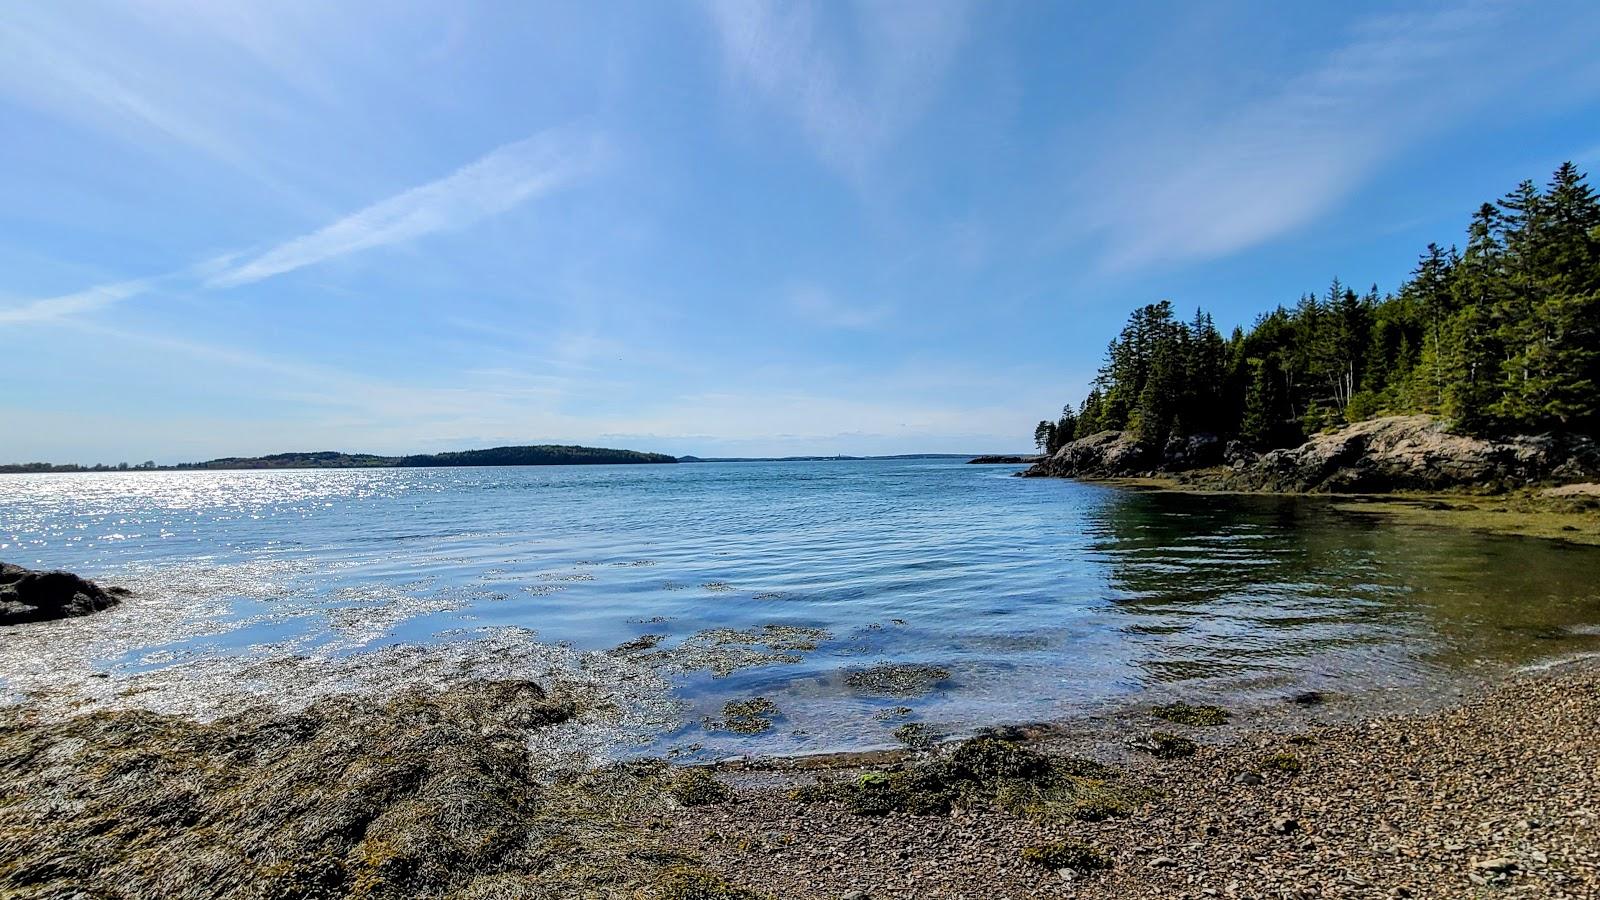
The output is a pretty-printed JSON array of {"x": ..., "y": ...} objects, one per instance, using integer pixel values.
[
  {"x": 1309, "y": 698},
  {"x": 1003, "y": 460},
  {"x": 30, "y": 596}
]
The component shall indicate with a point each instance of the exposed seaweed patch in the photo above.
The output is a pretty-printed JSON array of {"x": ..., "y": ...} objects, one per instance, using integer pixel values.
[
  {"x": 897, "y": 680},
  {"x": 914, "y": 735},
  {"x": 1164, "y": 745},
  {"x": 1285, "y": 763},
  {"x": 429, "y": 792},
  {"x": 988, "y": 771},
  {"x": 698, "y": 787},
  {"x": 1073, "y": 855},
  {"x": 1185, "y": 714},
  {"x": 717, "y": 587}
]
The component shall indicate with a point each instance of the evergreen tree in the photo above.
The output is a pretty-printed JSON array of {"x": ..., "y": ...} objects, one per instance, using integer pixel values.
[{"x": 1502, "y": 337}]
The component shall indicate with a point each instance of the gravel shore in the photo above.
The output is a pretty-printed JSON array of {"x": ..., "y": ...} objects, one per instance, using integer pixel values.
[{"x": 1497, "y": 796}]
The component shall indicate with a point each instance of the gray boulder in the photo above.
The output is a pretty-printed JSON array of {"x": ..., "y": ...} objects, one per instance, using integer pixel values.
[{"x": 1416, "y": 453}]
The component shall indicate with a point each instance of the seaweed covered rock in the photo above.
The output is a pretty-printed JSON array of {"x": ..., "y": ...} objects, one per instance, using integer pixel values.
[
  {"x": 30, "y": 596},
  {"x": 988, "y": 771},
  {"x": 432, "y": 793}
]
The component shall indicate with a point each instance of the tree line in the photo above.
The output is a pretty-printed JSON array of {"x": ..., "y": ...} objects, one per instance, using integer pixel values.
[{"x": 1501, "y": 336}]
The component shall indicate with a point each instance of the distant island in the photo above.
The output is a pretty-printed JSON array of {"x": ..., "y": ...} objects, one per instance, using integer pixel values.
[{"x": 534, "y": 455}]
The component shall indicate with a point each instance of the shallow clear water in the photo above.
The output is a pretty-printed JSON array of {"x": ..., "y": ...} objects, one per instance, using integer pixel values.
[{"x": 1044, "y": 599}]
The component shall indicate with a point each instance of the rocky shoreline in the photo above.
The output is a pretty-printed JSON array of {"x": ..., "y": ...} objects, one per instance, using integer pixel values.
[
  {"x": 1394, "y": 453},
  {"x": 438, "y": 790},
  {"x": 1495, "y": 794}
]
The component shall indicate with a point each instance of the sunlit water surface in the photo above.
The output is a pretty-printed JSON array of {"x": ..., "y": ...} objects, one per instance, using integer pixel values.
[{"x": 1044, "y": 599}]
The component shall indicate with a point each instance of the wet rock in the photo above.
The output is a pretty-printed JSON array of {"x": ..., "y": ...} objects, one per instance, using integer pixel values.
[
  {"x": 30, "y": 596},
  {"x": 1249, "y": 779}
]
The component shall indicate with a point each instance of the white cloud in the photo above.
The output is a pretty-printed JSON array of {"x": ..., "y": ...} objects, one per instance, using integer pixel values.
[
  {"x": 500, "y": 181},
  {"x": 1177, "y": 190},
  {"x": 51, "y": 308},
  {"x": 850, "y": 110}
]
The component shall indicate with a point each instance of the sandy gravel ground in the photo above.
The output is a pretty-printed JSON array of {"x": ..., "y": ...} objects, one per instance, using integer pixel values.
[{"x": 1496, "y": 797}]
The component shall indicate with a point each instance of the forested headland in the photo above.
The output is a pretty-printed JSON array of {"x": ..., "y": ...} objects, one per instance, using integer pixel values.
[{"x": 1498, "y": 335}]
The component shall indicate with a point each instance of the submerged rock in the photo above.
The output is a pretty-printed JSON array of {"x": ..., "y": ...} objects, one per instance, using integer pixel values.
[
  {"x": 30, "y": 596},
  {"x": 894, "y": 680}
]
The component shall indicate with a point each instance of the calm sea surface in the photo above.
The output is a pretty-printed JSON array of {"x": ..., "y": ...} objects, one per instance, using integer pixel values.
[{"x": 1044, "y": 599}]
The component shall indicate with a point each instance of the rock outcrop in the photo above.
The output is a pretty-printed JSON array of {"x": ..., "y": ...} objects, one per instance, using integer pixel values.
[
  {"x": 1376, "y": 456},
  {"x": 1003, "y": 459},
  {"x": 1106, "y": 454},
  {"x": 30, "y": 596}
]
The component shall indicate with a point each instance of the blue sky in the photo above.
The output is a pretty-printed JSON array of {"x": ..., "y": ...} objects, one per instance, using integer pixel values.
[{"x": 722, "y": 228}]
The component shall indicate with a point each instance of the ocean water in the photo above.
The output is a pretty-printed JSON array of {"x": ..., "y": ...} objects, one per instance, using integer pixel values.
[{"x": 1043, "y": 600}]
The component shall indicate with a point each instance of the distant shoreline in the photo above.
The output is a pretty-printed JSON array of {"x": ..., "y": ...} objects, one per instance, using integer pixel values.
[
  {"x": 541, "y": 455},
  {"x": 530, "y": 455}
]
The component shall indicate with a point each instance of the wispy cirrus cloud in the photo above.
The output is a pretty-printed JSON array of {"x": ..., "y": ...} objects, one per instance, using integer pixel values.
[
  {"x": 83, "y": 301},
  {"x": 1179, "y": 190},
  {"x": 496, "y": 183},
  {"x": 850, "y": 110}
]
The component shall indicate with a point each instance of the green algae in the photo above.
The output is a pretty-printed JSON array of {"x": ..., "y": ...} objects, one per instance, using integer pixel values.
[
  {"x": 698, "y": 787},
  {"x": 1078, "y": 857},
  {"x": 1185, "y": 714},
  {"x": 1286, "y": 763}
]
